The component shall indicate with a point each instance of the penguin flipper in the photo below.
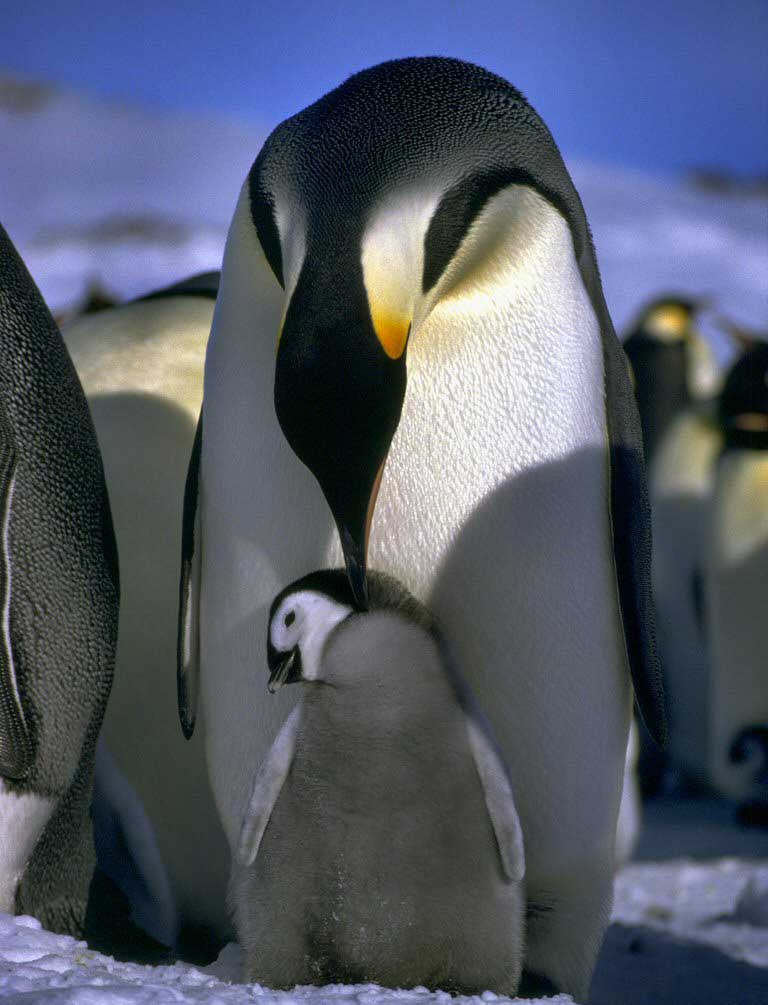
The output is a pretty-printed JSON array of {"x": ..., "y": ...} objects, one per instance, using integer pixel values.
[
  {"x": 269, "y": 781},
  {"x": 631, "y": 532},
  {"x": 16, "y": 748},
  {"x": 188, "y": 639},
  {"x": 499, "y": 801}
]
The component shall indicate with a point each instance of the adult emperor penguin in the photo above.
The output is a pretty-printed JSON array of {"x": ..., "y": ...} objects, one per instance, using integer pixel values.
[
  {"x": 681, "y": 481},
  {"x": 672, "y": 364},
  {"x": 381, "y": 842},
  {"x": 59, "y": 596},
  {"x": 141, "y": 366},
  {"x": 677, "y": 379},
  {"x": 736, "y": 588},
  {"x": 421, "y": 211}
]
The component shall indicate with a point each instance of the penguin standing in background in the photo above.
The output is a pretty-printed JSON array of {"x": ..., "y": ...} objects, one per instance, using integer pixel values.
[
  {"x": 381, "y": 841},
  {"x": 59, "y": 595},
  {"x": 673, "y": 370},
  {"x": 681, "y": 480},
  {"x": 672, "y": 365},
  {"x": 413, "y": 246},
  {"x": 141, "y": 366},
  {"x": 737, "y": 591}
]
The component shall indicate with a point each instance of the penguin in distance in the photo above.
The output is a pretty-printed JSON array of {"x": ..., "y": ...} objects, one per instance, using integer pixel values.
[
  {"x": 141, "y": 366},
  {"x": 381, "y": 842},
  {"x": 736, "y": 591},
  {"x": 672, "y": 364},
  {"x": 409, "y": 278},
  {"x": 677, "y": 380},
  {"x": 59, "y": 593},
  {"x": 681, "y": 481}
]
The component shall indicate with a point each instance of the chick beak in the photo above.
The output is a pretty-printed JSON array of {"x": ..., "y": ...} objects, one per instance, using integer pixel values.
[{"x": 285, "y": 668}]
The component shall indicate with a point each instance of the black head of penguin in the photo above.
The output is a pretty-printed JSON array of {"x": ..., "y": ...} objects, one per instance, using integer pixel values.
[
  {"x": 659, "y": 347},
  {"x": 743, "y": 403},
  {"x": 454, "y": 130}
]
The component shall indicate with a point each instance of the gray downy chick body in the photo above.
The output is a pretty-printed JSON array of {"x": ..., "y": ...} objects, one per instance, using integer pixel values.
[{"x": 387, "y": 853}]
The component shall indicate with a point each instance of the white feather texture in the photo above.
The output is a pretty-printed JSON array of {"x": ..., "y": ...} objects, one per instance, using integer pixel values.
[
  {"x": 737, "y": 611},
  {"x": 22, "y": 819},
  {"x": 141, "y": 366},
  {"x": 681, "y": 479}
]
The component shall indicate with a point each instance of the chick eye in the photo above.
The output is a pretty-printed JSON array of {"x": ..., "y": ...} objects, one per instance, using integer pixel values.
[{"x": 290, "y": 618}]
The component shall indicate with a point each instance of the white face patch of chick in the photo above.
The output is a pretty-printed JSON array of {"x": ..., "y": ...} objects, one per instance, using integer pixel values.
[{"x": 306, "y": 619}]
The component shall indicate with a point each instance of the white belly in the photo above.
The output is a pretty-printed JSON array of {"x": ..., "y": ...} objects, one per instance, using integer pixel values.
[
  {"x": 737, "y": 608},
  {"x": 22, "y": 819},
  {"x": 493, "y": 509},
  {"x": 142, "y": 371},
  {"x": 681, "y": 482}
]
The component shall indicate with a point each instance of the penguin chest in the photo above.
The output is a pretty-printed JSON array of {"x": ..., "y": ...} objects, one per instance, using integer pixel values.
[
  {"x": 737, "y": 574},
  {"x": 494, "y": 509}
]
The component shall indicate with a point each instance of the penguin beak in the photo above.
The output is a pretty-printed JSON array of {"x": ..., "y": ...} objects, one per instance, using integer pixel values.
[
  {"x": 285, "y": 668},
  {"x": 355, "y": 547}
]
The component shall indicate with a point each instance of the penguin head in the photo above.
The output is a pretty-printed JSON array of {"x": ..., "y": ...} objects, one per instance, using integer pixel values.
[
  {"x": 669, "y": 320},
  {"x": 301, "y": 619},
  {"x": 362, "y": 205},
  {"x": 305, "y": 614},
  {"x": 743, "y": 403}
]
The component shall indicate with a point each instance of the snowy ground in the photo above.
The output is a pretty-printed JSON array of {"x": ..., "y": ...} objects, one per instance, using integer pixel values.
[{"x": 684, "y": 933}]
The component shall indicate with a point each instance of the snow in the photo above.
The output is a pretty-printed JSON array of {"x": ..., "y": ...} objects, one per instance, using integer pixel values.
[
  {"x": 722, "y": 905},
  {"x": 52, "y": 968}
]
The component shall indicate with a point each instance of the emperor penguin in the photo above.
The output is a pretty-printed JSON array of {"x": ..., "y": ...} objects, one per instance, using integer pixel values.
[
  {"x": 677, "y": 380},
  {"x": 737, "y": 590},
  {"x": 410, "y": 311},
  {"x": 381, "y": 841},
  {"x": 59, "y": 595},
  {"x": 672, "y": 364},
  {"x": 141, "y": 366},
  {"x": 681, "y": 483}
]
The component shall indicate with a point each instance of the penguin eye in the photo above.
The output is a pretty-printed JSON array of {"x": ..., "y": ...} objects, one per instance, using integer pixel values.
[{"x": 290, "y": 618}]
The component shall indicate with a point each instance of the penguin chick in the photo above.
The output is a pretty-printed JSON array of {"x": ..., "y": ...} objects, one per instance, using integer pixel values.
[{"x": 381, "y": 842}]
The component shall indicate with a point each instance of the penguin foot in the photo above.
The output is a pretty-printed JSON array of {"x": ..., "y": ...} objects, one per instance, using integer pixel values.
[
  {"x": 533, "y": 985},
  {"x": 753, "y": 814}
]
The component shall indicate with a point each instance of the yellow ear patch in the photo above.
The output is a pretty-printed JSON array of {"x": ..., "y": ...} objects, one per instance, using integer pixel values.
[
  {"x": 669, "y": 322},
  {"x": 392, "y": 333}
]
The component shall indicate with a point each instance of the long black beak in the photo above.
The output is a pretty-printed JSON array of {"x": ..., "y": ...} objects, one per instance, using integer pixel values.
[
  {"x": 355, "y": 561},
  {"x": 285, "y": 668}
]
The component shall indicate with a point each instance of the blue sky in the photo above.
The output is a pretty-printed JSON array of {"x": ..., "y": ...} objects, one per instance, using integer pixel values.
[{"x": 658, "y": 86}]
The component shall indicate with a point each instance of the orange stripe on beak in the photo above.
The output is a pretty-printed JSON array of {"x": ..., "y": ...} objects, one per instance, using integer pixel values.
[
  {"x": 372, "y": 507},
  {"x": 392, "y": 334}
]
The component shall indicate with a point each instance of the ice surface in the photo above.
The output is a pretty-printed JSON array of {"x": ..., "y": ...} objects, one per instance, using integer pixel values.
[
  {"x": 44, "y": 968},
  {"x": 722, "y": 905}
]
